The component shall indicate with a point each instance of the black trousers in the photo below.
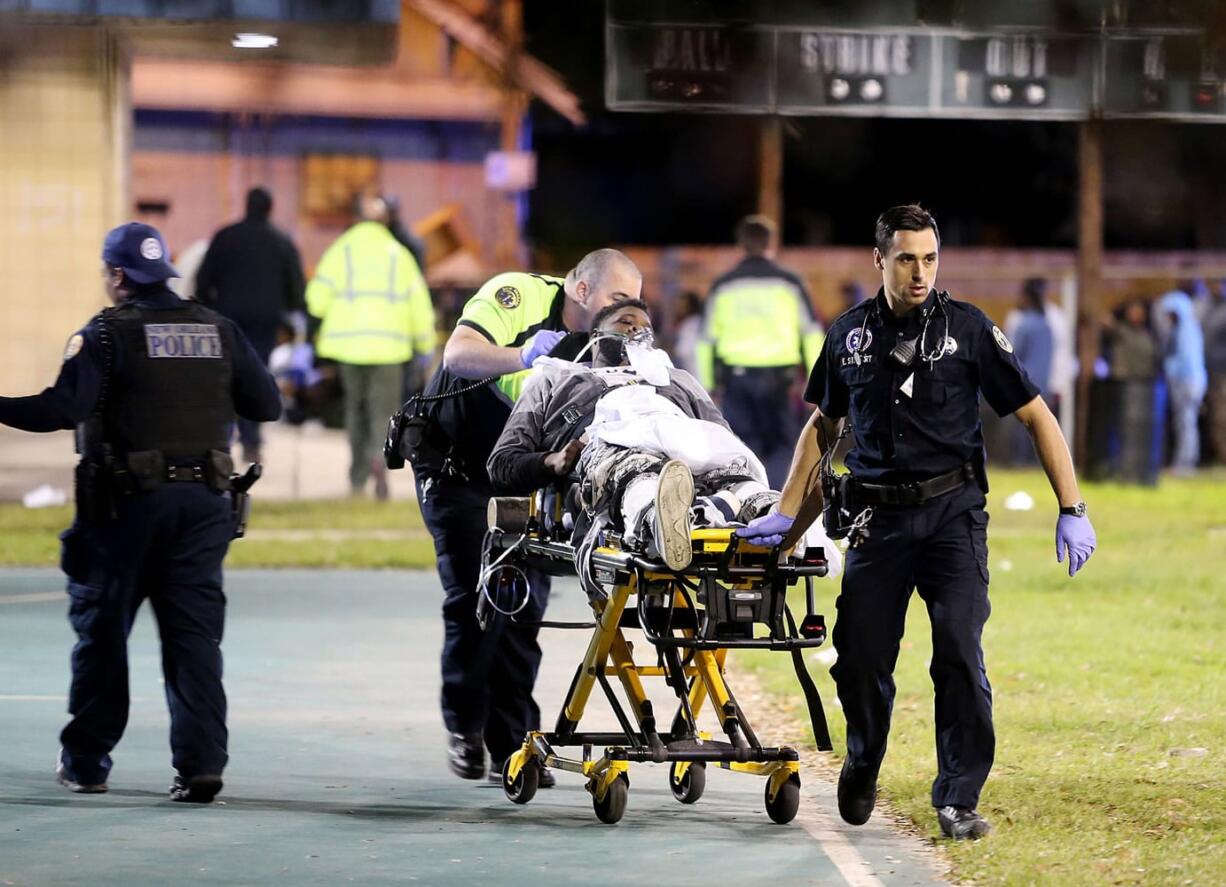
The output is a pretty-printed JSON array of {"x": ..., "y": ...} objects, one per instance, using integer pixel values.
[
  {"x": 939, "y": 549},
  {"x": 488, "y": 675},
  {"x": 166, "y": 546},
  {"x": 757, "y": 404}
]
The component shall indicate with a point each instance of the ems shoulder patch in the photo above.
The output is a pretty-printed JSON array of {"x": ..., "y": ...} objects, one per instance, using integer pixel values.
[
  {"x": 1002, "y": 340},
  {"x": 182, "y": 340},
  {"x": 74, "y": 346},
  {"x": 508, "y": 297},
  {"x": 859, "y": 339}
]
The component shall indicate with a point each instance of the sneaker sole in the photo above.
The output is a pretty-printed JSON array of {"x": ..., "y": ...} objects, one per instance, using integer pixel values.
[
  {"x": 199, "y": 790},
  {"x": 82, "y": 789},
  {"x": 674, "y": 496}
]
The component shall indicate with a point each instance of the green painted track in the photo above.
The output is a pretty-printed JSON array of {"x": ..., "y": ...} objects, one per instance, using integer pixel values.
[{"x": 337, "y": 770}]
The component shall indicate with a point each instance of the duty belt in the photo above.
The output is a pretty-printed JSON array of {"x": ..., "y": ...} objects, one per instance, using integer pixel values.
[
  {"x": 188, "y": 472},
  {"x": 916, "y": 492}
]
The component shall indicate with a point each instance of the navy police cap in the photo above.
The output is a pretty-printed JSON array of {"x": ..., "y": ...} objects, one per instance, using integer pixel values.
[{"x": 140, "y": 251}]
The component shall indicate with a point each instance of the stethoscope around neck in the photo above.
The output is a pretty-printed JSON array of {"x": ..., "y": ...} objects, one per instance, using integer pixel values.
[{"x": 905, "y": 352}]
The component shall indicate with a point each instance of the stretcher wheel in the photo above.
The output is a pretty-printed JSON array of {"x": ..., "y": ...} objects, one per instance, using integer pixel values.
[
  {"x": 787, "y": 801},
  {"x": 523, "y": 789},
  {"x": 613, "y": 807},
  {"x": 688, "y": 788}
]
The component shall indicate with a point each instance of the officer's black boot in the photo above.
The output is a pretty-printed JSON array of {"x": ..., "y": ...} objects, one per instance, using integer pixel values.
[
  {"x": 466, "y": 755},
  {"x": 961, "y": 823},
  {"x": 857, "y": 794},
  {"x": 196, "y": 789}
]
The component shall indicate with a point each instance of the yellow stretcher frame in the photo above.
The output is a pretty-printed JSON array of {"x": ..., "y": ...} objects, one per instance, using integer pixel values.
[{"x": 726, "y": 568}]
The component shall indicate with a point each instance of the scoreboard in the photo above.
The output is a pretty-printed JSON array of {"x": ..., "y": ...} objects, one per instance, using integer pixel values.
[{"x": 1030, "y": 73}]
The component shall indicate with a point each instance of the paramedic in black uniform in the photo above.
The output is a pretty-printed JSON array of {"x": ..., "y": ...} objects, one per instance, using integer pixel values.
[
  {"x": 906, "y": 369},
  {"x": 152, "y": 385}
]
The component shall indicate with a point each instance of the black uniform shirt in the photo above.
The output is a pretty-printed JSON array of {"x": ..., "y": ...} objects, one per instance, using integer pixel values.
[
  {"x": 912, "y": 423},
  {"x": 75, "y": 392}
]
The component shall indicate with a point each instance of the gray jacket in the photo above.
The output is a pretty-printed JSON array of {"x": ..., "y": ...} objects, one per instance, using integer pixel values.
[{"x": 557, "y": 405}]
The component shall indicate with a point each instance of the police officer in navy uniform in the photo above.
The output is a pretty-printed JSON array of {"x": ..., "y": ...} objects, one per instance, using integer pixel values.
[
  {"x": 906, "y": 369},
  {"x": 488, "y": 674},
  {"x": 152, "y": 385}
]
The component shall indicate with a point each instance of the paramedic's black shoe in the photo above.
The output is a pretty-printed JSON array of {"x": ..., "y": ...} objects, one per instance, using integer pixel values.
[
  {"x": 672, "y": 529},
  {"x": 466, "y": 755},
  {"x": 962, "y": 823},
  {"x": 547, "y": 779},
  {"x": 857, "y": 794},
  {"x": 200, "y": 789}
]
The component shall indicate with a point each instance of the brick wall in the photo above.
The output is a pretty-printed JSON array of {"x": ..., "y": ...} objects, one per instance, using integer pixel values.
[{"x": 63, "y": 137}]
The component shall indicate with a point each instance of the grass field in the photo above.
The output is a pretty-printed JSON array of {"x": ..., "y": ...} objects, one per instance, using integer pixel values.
[
  {"x": 1110, "y": 696},
  {"x": 341, "y": 533}
]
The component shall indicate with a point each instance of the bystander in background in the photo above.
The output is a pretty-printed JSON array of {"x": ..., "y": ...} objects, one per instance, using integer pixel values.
[
  {"x": 1215, "y": 366},
  {"x": 687, "y": 332},
  {"x": 1033, "y": 345},
  {"x": 375, "y": 315},
  {"x": 1183, "y": 364},
  {"x": 1132, "y": 350},
  {"x": 252, "y": 274}
]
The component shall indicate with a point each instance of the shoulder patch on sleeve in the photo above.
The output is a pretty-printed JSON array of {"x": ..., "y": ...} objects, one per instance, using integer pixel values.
[
  {"x": 1002, "y": 340},
  {"x": 74, "y": 346},
  {"x": 508, "y": 297}
]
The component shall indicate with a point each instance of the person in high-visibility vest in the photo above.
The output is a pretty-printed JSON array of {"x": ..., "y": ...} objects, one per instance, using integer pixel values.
[
  {"x": 376, "y": 315},
  {"x": 760, "y": 335}
]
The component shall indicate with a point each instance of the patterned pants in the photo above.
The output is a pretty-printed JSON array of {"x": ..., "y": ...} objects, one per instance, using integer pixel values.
[{"x": 621, "y": 482}]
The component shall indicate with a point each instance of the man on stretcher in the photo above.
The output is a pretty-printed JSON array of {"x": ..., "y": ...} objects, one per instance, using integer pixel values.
[{"x": 653, "y": 456}]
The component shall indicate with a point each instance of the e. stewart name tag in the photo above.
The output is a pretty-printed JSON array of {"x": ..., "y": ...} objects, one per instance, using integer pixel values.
[{"x": 182, "y": 340}]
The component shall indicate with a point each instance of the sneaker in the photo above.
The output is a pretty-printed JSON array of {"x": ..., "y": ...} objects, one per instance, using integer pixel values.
[
  {"x": 547, "y": 779},
  {"x": 466, "y": 755},
  {"x": 962, "y": 823},
  {"x": 857, "y": 794},
  {"x": 672, "y": 529},
  {"x": 196, "y": 789},
  {"x": 69, "y": 781}
]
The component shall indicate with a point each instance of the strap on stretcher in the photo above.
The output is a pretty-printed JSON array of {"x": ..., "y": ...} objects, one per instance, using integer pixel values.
[{"x": 813, "y": 699}]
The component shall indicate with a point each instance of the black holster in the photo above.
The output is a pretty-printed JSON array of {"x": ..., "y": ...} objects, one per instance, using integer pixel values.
[
  {"x": 418, "y": 439},
  {"x": 240, "y": 496},
  {"x": 838, "y": 504},
  {"x": 97, "y": 498}
]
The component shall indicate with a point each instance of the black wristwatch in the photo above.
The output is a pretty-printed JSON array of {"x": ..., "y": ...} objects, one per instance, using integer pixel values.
[{"x": 1078, "y": 510}]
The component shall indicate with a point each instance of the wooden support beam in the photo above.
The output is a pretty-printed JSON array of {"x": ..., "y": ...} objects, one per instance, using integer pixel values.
[
  {"x": 1089, "y": 269},
  {"x": 770, "y": 171},
  {"x": 515, "y": 105}
]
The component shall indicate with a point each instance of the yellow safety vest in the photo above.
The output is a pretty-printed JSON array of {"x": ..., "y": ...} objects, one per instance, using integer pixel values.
[
  {"x": 757, "y": 322},
  {"x": 372, "y": 298},
  {"x": 509, "y": 309}
]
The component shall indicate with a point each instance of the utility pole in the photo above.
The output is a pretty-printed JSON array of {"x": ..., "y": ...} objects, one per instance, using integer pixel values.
[
  {"x": 515, "y": 104},
  {"x": 770, "y": 170},
  {"x": 1089, "y": 270}
]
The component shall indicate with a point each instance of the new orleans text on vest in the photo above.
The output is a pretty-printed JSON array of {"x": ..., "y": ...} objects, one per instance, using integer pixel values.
[{"x": 182, "y": 340}]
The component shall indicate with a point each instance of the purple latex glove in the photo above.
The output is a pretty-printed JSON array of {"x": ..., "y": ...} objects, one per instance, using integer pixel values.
[
  {"x": 539, "y": 345},
  {"x": 1076, "y": 536},
  {"x": 767, "y": 530}
]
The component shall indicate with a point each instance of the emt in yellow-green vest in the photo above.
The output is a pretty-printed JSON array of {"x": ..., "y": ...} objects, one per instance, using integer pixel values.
[
  {"x": 513, "y": 319},
  {"x": 376, "y": 315},
  {"x": 760, "y": 337}
]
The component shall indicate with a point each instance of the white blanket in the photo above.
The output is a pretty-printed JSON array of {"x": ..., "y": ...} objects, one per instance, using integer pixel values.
[{"x": 635, "y": 416}]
